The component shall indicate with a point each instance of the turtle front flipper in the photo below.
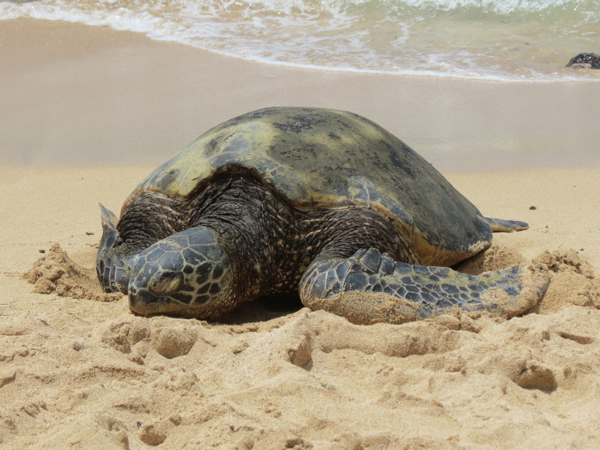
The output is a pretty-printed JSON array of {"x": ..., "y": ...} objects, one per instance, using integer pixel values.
[
  {"x": 369, "y": 287},
  {"x": 110, "y": 263}
]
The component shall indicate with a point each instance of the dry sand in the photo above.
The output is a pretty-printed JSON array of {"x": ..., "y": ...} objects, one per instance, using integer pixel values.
[{"x": 86, "y": 373}]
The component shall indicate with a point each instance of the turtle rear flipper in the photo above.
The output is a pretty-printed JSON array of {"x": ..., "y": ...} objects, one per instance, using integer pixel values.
[
  {"x": 501, "y": 225},
  {"x": 369, "y": 287}
]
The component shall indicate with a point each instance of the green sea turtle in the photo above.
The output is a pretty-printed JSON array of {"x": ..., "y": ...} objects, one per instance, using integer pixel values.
[{"x": 321, "y": 201}]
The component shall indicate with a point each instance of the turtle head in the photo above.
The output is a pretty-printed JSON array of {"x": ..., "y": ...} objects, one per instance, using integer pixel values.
[
  {"x": 111, "y": 265},
  {"x": 187, "y": 273}
]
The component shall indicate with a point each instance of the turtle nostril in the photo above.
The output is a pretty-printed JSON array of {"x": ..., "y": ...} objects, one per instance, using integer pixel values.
[{"x": 132, "y": 290}]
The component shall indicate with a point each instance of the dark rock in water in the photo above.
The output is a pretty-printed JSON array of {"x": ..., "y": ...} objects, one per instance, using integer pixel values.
[{"x": 583, "y": 59}]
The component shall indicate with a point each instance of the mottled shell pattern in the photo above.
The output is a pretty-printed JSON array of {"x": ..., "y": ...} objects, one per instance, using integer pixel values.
[{"x": 321, "y": 158}]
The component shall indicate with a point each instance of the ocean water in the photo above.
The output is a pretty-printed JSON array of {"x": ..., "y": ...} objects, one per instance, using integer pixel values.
[{"x": 512, "y": 40}]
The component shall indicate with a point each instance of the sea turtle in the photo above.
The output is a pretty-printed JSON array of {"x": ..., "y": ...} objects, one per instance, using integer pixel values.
[{"x": 321, "y": 201}]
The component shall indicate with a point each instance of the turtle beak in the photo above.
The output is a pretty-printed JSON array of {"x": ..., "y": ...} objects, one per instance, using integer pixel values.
[{"x": 143, "y": 302}]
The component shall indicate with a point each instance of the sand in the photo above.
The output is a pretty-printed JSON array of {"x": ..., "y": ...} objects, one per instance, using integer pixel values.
[{"x": 84, "y": 120}]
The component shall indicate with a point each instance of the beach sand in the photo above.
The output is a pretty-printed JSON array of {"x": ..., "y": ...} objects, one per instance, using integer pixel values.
[{"x": 86, "y": 113}]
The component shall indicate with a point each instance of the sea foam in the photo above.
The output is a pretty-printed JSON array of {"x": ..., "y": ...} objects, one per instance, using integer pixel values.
[{"x": 511, "y": 40}]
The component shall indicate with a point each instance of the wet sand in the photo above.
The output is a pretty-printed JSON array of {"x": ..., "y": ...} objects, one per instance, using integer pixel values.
[
  {"x": 75, "y": 95},
  {"x": 86, "y": 113}
]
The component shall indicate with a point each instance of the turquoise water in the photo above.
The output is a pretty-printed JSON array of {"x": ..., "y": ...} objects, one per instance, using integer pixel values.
[{"x": 513, "y": 40}]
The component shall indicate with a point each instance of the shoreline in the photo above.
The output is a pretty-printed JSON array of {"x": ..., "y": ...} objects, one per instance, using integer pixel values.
[
  {"x": 420, "y": 53},
  {"x": 82, "y": 95}
]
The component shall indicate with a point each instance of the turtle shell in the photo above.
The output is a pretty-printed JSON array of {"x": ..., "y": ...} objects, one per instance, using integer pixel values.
[{"x": 322, "y": 158}]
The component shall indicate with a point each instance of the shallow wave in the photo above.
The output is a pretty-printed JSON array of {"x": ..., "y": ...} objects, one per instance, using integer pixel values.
[{"x": 516, "y": 40}]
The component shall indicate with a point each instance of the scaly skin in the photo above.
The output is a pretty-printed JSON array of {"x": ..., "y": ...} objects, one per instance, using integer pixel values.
[
  {"x": 410, "y": 291},
  {"x": 185, "y": 269}
]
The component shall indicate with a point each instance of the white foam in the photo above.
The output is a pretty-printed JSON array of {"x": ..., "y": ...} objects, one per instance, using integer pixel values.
[
  {"x": 398, "y": 36},
  {"x": 498, "y": 6}
]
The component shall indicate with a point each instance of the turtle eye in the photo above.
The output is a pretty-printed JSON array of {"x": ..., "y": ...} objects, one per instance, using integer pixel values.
[{"x": 166, "y": 283}]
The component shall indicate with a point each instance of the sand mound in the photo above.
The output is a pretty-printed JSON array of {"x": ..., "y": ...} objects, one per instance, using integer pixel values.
[
  {"x": 494, "y": 258},
  {"x": 56, "y": 273},
  {"x": 572, "y": 280}
]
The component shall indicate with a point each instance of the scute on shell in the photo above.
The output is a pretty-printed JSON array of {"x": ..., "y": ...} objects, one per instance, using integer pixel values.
[{"x": 321, "y": 158}]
